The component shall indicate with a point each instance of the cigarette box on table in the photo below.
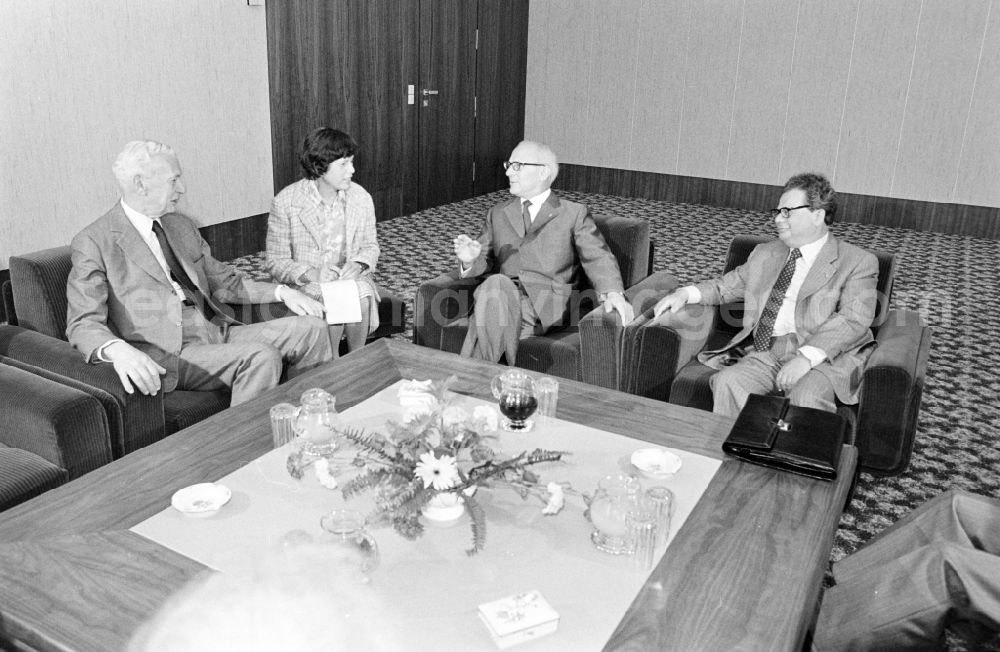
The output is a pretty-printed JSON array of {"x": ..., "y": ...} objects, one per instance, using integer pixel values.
[{"x": 518, "y": 618}]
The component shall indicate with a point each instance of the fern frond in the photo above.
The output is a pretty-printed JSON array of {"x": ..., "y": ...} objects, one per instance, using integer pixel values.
[
  {"x": 409, "y": 527},
  {"x": 365, "y": 480},
  {"x": 371, "y": 443},
  {"x": 405, "y": 496},
  {"x": 478, "y": 516},
  {"x": 541, "y": 455}
]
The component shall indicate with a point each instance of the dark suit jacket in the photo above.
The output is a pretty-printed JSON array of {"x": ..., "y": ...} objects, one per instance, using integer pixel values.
[
  {"x": 563, "y": 240},
  {"x": 117, "y": 289},
  {"x": 834, "y": 309}
]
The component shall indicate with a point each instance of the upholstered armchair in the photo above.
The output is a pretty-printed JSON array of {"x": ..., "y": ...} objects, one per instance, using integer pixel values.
[
  {"x": 52, "y": 430},
  {"x": 38, "y": 283},
  {"x": 588, "y": 348},
  {"x": 659, "y": 355}
]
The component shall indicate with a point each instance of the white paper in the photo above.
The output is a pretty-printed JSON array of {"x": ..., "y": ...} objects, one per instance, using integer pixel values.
[{"x": 341, "y": 301}]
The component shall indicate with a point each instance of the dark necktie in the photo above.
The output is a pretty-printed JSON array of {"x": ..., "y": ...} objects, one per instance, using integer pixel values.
[
  {"x": 193, "y": 295},
  {"x": 526, "y": 215},
  {"x": 765, "y": 327}
]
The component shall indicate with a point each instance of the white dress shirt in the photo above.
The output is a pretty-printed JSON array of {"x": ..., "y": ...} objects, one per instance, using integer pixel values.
[{"x": 784, "y": 322}]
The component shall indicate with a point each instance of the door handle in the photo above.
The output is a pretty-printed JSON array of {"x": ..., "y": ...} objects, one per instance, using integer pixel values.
[{"x": 426, "y": 91}]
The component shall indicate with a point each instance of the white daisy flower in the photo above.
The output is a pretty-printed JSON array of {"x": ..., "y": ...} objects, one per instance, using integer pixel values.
[{"x": 440, "y": 472}]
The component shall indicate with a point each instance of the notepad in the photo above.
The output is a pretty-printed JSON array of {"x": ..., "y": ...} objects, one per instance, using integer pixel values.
[{"x": 341, "y": 301}]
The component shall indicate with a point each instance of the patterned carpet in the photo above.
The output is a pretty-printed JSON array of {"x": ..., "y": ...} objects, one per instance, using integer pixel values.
[{"x": 953, "y": 281}]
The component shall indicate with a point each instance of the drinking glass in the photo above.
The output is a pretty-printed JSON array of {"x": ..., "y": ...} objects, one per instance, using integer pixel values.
[
  {"x": 282, "y": 424},
  {"x": 316, "y": 420},
  {"x": 615, "y": 497},
  {"x": 345, "y": 529},
  {"x": 642, "y": 525},
  {"x": 516, "y": 394},
  {"x": 661, "y": 501},
  {"x": 547, "y": 392}
]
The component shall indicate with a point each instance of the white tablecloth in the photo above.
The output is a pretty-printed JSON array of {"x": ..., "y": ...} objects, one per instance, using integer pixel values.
[{"x": 430, "y": 587}]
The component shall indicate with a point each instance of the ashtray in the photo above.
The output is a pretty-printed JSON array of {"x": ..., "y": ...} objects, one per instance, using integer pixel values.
[
  {"x": 203, "y": 499},
  {"x": 656, "y": 462}
]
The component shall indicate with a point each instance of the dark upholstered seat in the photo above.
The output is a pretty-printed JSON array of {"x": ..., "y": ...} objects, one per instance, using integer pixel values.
[
  {"x": 51, "y": 430},
  {"x": 38, "y": 284},
  {"x": 24, "y": 475},
  {"x": 660, "y": 360},
  {"x": 587, "y": 348}
]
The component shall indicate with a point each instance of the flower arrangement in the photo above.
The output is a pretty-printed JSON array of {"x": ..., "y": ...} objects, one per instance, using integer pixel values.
[{"x": 440, "y": 449}]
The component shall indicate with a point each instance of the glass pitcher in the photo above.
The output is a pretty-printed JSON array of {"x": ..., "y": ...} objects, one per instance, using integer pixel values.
[
  {"x": 615, "y": 497},
  {"x": 316, "y": 421},
  {"x": 345, "y": 530},
  {"x": 515, "y": 392}
]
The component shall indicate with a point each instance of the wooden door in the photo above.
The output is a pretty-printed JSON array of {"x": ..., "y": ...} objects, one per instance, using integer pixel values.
[
  {"x": 446, "y": 96},
  {"x": 501, "y": 65},
  {"x": 349, "y": 64},
  {"x": 345, "y": 64}
]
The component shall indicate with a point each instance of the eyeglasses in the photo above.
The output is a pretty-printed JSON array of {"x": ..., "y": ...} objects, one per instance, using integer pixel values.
[
  {"x": 784, "y": 212},
  {"x": 517, "y": 165}
]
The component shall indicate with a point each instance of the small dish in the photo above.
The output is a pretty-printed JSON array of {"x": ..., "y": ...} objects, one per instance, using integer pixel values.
[
  {"x": 202, "y": 499},
  {"x": 656, "y": 462}
]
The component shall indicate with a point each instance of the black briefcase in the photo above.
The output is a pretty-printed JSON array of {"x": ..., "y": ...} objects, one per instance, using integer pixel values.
[{"x": 771, "y": 432}]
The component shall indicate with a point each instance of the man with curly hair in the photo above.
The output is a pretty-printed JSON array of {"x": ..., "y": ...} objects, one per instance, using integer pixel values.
[{"x": 809, "y": 303}]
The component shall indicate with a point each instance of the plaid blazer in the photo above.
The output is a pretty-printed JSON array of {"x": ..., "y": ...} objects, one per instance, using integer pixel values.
[{"x": 295, "y": 231}]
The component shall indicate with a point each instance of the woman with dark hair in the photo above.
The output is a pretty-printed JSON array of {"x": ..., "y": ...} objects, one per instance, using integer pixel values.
[{"x": 322, "y": 228}]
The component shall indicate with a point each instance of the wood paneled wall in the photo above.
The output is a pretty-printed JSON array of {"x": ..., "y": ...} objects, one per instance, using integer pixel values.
[
  {"x": 889, "y": 98},
  {"x": 345, "y": 65},
  {"x": 80, "y": 78}
]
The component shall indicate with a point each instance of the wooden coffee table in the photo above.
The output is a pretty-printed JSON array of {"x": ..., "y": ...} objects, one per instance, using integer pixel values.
[{"x": 743, "y": 572}]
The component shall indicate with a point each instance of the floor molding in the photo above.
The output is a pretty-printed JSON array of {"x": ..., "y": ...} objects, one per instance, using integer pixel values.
[{"x": 959, "y": 219}]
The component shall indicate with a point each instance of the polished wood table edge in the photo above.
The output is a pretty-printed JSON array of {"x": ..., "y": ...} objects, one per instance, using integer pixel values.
[
  {"x": 120, "y": 578},
  {"x": 679, "y": 624}
]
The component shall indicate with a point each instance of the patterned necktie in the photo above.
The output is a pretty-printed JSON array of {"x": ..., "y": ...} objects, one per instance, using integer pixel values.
[
  {"x": 191, "y": 291},
  {"x": 765, "y": 327},
  {"x": 526, "y": 215}
]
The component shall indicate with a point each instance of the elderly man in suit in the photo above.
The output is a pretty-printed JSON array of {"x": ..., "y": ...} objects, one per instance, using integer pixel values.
[
  {"x": 531, "y": 249},
  {"x": 146, "y": 295},
  {"x": 809, "y": 304}
]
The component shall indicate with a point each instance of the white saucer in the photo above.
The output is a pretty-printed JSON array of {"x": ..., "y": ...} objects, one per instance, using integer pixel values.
[
  {"x": 201, "y": 499},
  {"x": 656, "y": 462}
]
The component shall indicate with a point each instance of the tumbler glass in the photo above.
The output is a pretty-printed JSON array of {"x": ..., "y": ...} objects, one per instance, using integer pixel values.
[
  {"x": 282, "y": 423},
  {"x": 547, "y": 393},
  {"x": 661, "y": 501}
]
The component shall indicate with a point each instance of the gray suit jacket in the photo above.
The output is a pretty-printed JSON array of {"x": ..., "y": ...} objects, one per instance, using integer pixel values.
[
  {"x": 117, "y": 289},
  {"x": 562, "y": 240},
  {"x": 834, "y": 309}
]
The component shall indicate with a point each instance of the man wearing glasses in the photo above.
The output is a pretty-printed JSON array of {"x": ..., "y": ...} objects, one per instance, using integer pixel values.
[
  {"x": 531, "y": 249},
  {"x": 809, "y": 304}
]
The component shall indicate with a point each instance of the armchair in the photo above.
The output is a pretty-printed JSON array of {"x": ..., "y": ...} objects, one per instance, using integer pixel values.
[
  {"x": 51, "y": 430},
  {"x": 588, "y": 348},
  {"x": 38, "y": 284},
  {"x": 659, "y": 357}
]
